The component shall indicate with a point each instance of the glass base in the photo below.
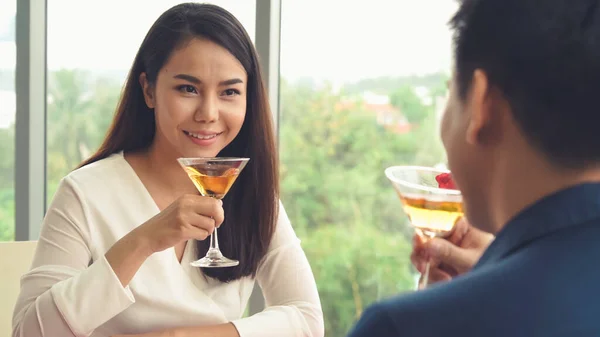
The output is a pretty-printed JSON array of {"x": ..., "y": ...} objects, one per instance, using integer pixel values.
[{"x": 214, "y": 259}]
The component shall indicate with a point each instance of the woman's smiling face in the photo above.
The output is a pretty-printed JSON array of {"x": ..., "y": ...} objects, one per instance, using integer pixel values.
[{"x": 199, "y": 100}]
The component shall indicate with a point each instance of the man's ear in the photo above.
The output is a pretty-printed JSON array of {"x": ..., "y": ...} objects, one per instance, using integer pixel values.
[
  {"x": 480, "y": 107},
  {"x": 148, "y": 91}
]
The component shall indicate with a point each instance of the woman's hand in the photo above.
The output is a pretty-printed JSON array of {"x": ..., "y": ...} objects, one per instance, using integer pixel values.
[
  {"x": 452, "y": 256},
  {"x": 166, "y": 333},
  {"x": 189, "y": 217},
  {"x": 219, "y": 330}
]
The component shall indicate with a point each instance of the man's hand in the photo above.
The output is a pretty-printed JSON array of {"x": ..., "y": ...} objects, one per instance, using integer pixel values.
[{"x": 451, "y": 256}]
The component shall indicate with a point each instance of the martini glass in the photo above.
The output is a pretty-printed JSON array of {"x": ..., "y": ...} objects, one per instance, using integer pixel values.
[
  {"x": 432, "y": 211},
  {"x": 213, "y": 178}
]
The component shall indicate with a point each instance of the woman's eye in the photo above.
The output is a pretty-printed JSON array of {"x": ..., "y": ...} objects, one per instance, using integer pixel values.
[
  {"x": 187, "y": 89},
  {"x": 231, "y": 92}
]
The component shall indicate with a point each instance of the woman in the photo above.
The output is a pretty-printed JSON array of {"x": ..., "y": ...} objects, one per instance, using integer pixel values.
[{"x": 117, "y": 241}]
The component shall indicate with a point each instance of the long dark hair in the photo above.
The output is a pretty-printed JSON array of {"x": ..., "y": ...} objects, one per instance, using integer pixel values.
[{"x": 251, "y": 206}]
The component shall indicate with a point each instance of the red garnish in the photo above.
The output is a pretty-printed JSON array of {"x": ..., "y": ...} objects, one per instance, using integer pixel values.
[{"x": 445, "y": 181}]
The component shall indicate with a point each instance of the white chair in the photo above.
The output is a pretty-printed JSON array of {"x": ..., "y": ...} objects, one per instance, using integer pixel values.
[{"x": 15, "y": 260}]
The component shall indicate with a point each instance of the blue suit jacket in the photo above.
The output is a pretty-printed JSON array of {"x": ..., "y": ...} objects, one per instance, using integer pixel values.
[{"x": 540, "y": 277}]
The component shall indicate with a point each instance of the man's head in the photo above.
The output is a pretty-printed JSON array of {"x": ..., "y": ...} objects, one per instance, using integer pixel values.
[{"x": 526, "y": 83}]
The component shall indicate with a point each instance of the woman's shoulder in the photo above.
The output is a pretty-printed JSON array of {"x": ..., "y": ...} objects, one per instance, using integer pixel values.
[
  {"x": 99, "y": 174},
  {"x": 284, "y": 233},
  {"x": 87, "y": 186}
]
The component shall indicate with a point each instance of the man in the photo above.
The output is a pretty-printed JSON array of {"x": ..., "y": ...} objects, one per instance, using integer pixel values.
[{"x": 521, "y": 134}]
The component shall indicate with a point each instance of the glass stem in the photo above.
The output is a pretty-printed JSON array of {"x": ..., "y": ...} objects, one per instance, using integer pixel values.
[
  {"x": 425, "y": 277},
  {"x": 424, "y": 280},
  {"x": 214, "y": 240}
]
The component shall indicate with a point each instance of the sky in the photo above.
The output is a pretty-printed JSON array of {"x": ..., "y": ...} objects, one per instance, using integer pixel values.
[
  {"x": 332, "y": 40},
  {"x": 352, "y": 40},
  {"x": 324, "y": 39}
]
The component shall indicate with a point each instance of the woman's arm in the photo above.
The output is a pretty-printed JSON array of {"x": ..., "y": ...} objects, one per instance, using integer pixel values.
[
  {"x": 65, "y": 293},
  {"x": 221, "y": 330},
  {"x": 293, "y": 307},
  {"x": 287, "y": 282}
]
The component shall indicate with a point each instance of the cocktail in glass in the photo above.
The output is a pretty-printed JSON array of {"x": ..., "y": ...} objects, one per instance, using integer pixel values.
[
  {"x": 213, "y": 177},
  {"x": 432, "y": 211}
]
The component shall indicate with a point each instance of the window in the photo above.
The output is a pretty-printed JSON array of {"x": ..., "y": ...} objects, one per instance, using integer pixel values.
[
  {"x": 88, "y": 61},
  {"x": 8, "y": 10},
  {"x": 359, "y": 92}
]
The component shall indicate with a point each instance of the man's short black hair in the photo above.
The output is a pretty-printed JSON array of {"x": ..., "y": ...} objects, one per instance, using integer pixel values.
[{"x": 544, "y": 56}]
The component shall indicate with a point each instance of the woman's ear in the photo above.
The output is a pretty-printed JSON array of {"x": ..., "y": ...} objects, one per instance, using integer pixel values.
[{"x": 148, "y": 91}]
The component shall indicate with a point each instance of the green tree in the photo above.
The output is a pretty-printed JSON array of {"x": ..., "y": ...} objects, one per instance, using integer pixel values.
[
  {"x": 7, "y": 153},
  {"x": 355, "y": 264},
  {"x": 430, "y": 151},
  {"x": 7, "y": 177},
  {"x": 7, "y": 215},
  {"x": 333, "y": 154},
  {"x": 411, "y": 106},
  {"x": 80, "y": 109}
]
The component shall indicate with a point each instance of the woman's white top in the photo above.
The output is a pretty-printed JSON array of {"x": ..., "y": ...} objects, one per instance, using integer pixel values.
[{"x": 71, "y": 290}]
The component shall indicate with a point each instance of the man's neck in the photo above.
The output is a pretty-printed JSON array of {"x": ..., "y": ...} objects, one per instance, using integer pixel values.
[{"x": 522, "y": 182}]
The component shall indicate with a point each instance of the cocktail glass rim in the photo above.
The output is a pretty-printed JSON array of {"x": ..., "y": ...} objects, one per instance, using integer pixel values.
[
  {"x": 436, "y": 190},
  {"x": 214, "y": 158}
]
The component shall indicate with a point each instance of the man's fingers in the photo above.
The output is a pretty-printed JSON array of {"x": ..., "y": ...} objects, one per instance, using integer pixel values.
[
  {"x": 447, "y": 253},
  {"x": 481, "y": 238},
  {"x": 461, "y": 228},
  {"x": 418, "y": 241},
  {"x": 436, "y": 275},
  {"x": 418, "y": 260}
]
